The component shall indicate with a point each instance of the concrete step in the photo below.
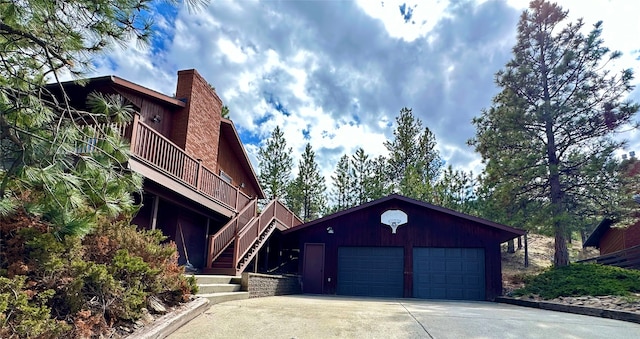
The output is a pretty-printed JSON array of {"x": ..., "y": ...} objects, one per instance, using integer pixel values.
[
  {"x": 216, "y": 298},
  {"x": 204, "y": 279},
  {"x": 228, "y": 271},
  {"x": 217, "y": 288}
]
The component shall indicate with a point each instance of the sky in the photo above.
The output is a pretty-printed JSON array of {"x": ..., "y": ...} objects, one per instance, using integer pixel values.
[{"x": 336, "y": 73}]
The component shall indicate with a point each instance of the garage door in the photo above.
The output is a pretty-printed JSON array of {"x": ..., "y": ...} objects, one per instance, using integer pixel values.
[
  {"x": 371, "y": 271},
  {"x": 449, "y": 273}
]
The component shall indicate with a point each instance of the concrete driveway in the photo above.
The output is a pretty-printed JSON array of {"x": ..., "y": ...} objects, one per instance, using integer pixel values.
[{"x": 308, "y": 316}]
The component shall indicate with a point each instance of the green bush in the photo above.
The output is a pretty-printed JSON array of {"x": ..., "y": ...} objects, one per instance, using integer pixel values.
[
  {"x": 80, "y": 287},
  {"x": 581, "y": 280},
  {"x": 26, "y": 314}
]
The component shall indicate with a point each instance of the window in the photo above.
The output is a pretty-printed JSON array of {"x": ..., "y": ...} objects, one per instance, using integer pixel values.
[{"x": 225, "y": 177}]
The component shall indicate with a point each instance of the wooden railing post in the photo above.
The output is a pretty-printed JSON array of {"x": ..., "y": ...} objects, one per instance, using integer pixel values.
[
  {"x": 198, "y": 174},
  {"x": 134, "y": 132},
  {"x": 236, "y": 247},
  {"x": 210, "y": 246}
]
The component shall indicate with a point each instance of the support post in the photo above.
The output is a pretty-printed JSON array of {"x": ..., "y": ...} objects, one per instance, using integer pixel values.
[
  {"x": 266, "y": 258},
  {"x": 154, "y": 212},
  {"x": 207, "y": 247},
  {"x": 526, "y": 251}
]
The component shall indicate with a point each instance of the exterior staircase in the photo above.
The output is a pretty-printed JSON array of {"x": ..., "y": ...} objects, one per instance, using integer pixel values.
[
  {"x": 236, "y": 243},
  {"x": 220, "y": 288}
]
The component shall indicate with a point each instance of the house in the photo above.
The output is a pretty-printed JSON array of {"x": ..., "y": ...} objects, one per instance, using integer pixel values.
[
  {"x": 618, "y": 246},
  {"x": 199, "y": 186},
  {"x": 401, "y": 247},
  {"x": 613, "y": 239}
]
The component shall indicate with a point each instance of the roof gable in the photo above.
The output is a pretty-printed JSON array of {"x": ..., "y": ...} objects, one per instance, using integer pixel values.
[
  {"x": 598, "y": 232},
  {"x": 508, "y": 231},
  {"x": 229, "y": 132}
]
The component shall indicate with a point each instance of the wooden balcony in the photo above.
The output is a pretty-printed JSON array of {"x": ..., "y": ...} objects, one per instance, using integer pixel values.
[
  {"x": 159, "y": 159},
  {"x": 231, "y": 249}
]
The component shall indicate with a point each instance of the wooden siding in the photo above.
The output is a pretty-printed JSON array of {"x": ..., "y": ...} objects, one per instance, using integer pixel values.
[
  {"x": 632, "y": 236},
  {"x": 231, "y": 163},
  {"x": 425, "y": 228},
  {"x": 612, "y": 241},
  {"x": 174, "y": 209},
  {"x": 149, "y": 110}
]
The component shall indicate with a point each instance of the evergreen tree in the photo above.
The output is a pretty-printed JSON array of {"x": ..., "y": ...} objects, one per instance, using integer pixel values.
[
  {"x": 379, "y": 184},
  {"x": 343, "y": 185},
  {"x": 307, "y": 191},
  {"x": 224, "y": 112},
  {"x": 58, "y": 162},
  {"x": 456, "y": 190},
  {"x": 547, "y": 139},
  {"x": 414, "y": 164},
  {"x": 275, "y": 164},
  {"x": 362, "y": 175}
]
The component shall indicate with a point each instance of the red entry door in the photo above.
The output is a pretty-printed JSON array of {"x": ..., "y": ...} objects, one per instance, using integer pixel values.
[{"x": 313, "y": 273}]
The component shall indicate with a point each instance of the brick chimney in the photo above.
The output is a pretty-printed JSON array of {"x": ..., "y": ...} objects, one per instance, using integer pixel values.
[{"x": 196, "y": 128}]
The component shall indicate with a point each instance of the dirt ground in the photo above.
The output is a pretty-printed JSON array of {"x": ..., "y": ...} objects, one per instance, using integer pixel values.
[{"x": 541, "y": 249}]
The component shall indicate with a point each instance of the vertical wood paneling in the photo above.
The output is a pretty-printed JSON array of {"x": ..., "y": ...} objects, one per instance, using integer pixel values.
[
  {"x": 425, "y": 228},
  {"x": 612, "y": 241}
]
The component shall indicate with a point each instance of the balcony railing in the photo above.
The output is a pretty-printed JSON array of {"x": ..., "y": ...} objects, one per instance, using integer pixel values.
[{"x": 152, "y": 148}]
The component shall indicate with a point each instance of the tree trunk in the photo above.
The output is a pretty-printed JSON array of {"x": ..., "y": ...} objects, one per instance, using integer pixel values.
[
  {"x": 520, "y": 242},
  {"x": 561, "y": 257},
  {"x": 511, "y": 246},
  {"x": 583, "y": 235}
]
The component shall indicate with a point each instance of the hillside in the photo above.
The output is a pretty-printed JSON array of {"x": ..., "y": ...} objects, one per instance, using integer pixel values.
[{"x": 540, "y": 248}]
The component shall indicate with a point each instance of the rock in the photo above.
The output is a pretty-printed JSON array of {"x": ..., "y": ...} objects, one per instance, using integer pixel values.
[
  {"x": 155, "y": 305},
  {"x": 147, "y": 318}
]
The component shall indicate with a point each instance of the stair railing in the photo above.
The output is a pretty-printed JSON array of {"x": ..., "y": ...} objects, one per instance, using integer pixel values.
[
  {"x": 223, "y": 238},
  {"x": 276, "y": 212}
]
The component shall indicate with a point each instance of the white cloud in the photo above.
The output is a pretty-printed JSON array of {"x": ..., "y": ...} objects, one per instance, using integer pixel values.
[
  {"x": 342, "y": 71},
  {"x": 232, "y": 51},
  {"x": 425, "y": 16}
]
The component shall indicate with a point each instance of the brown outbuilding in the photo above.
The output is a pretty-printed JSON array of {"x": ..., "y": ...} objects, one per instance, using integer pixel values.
[{"x": 401, "y": 247}]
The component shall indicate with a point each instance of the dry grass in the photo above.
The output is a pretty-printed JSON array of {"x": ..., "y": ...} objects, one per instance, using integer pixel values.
[{"x": 541, "y": 249}]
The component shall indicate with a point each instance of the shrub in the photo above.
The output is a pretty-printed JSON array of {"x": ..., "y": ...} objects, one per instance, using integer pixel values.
[
  {"x": 582, "y": 279},
  {"x": 25, "y": 313},
  {"x": 73, "y": 287}
]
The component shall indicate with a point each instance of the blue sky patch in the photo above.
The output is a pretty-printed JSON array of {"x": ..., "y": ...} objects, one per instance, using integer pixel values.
[
  {"x": 406, "y": 12},
  {"x": 276, "y": 104}
]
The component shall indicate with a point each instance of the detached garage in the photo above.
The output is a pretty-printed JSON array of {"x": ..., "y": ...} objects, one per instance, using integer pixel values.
[{"x": 401, "y": 247}]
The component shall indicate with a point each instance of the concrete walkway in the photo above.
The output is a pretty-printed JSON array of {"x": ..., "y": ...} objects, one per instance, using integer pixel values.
[{"x": 307, "y": 316}]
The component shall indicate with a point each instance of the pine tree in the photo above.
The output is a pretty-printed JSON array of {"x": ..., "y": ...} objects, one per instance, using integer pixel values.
[
  {"x": 307, "y": 191},
  {"x": 379, "y": 184},
  {"x": 361, "y": 172},
  {"x": 46, "y": 169},
  {"x": 343, "y": 185},
  {"x": 414, "y": 164},
  {"x": 275, "y": 164},
  {"x": 456, "y": 190},
  {"x": 547, "y": 139}
]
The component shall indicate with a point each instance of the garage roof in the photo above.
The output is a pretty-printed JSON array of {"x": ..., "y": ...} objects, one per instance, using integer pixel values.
[
  {"x": 507, "y": 231},
  {"x": 594, "y": 238}
]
